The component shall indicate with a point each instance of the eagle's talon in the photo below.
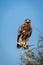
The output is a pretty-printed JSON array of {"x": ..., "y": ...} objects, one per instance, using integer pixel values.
[{"x": 25, "y": 46}]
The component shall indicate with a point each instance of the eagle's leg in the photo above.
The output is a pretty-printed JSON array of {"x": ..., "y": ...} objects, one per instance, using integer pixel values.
[
  {"x": 22, "y": 44},
  {"x": 25, "y": 46}
]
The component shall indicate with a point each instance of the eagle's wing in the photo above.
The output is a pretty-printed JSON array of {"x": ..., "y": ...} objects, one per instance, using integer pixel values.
[
  {"x": 30, "y": 32},
  {"x": 19, "y": 33}
]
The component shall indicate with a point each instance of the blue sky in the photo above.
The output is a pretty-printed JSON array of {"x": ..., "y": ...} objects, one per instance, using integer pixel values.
[{"x": 12, "y": 15}]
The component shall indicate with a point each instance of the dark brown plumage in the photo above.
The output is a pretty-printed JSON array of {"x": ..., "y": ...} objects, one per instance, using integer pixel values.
[{"x": 24, "y": 32}]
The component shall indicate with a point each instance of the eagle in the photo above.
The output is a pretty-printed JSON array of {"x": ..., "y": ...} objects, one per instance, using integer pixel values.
[{"x": 24, "y": 33}]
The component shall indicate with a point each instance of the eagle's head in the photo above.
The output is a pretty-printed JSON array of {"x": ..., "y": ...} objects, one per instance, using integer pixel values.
[{"x": 28, "y": 21}]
